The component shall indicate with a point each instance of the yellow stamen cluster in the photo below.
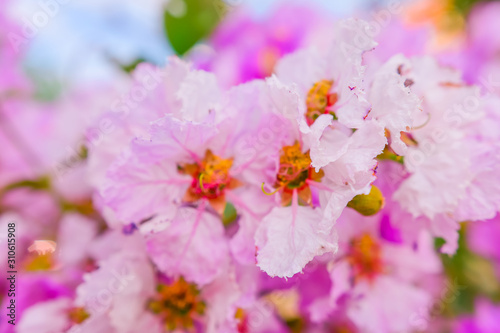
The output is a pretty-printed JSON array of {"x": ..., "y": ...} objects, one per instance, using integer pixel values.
[
  {"x": 78, "y": 315},
  {"x": 294, "y": 172},
  {"x": 178, "y": 304},
  {"x": 242, "y": 318},
  {"x": 365, "y": 257},
  {"x": 210, "y": 179},
  {"x": 294, "y": 167},
  {"x": 35, "y": 262},
  {"x": 319, "y": 100}
]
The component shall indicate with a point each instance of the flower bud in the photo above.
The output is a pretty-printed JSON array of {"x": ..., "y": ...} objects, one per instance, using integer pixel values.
[{"x": 368, "y": 204}]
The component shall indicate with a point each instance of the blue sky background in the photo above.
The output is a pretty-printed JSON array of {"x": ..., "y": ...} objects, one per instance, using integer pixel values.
[{"x": 80, "y": 39}]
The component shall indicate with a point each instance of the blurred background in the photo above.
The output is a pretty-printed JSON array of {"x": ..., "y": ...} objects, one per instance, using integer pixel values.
[
  {"x": 66, "y": 44},
  {"x": 84, "y": 41}
]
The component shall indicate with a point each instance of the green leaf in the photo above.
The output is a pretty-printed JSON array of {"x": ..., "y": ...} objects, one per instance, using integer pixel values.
[
  {"x": 130, "y": 67},
  {"x": 47, "y": 86},
  {"x": 40, "y": 184},
  {"x": 189, "y": 21},
  {"x": 464, "y": 6},
  {"x": 229, "y": 215},
  {"x": 469, "y": 276}
]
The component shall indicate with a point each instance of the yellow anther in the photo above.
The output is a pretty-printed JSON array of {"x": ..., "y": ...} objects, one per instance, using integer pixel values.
[
  {"x": 201, "y": 182},
  {"x": 267, "y": 193}
]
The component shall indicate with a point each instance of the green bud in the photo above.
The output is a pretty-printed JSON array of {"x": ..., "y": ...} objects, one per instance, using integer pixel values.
[
  {"x": 368, "y": 204},
  {"x": 229, "y": 215}
]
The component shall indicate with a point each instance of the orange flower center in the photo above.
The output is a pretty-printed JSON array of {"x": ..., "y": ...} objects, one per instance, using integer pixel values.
[
  {"x": 210, "y": 180},
  {"x": 178, "y": 304},
  {"x": 39, "y": 262},
  {"x": 294, "y": 167},
  {"x": 78, "y": 315},
  {"x": 294, "y": 171},
  {"x": 242, "y": 318},
  {"x": 365, "y": 257},
  {"x": 319, "y": 100}
]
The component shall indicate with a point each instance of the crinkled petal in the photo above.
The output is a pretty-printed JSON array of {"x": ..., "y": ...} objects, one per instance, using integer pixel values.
[
  {"x": 380, "y": 309},
  {"x": 46, "y": 317},
  {"x": 288, "y": 240},
  {"x": 303, "y": 68},
  {"x": 393, "y": 104},
  {"x": 120, "y": 286},
  {"x": 193, "y": 246},
  {"x": 174, "y": 139},
  {"x": 136, "y": 190},
  {"x": 429, "y": 190}
]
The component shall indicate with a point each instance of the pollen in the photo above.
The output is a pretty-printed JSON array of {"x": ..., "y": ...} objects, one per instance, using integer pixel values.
[
  {"x": 210, "y": 179},
  {"x": 179, "y": 304},
  {"x": 78, "y": 315},
  {"x": 294, "y": 167},
  {"x": 241, "y": 317},
  {"x": 320, "y": 100},
  {"x": 293, "y": 174},
  {"x": 365, "y": 257},
  {"x": 36, "y": 263}
]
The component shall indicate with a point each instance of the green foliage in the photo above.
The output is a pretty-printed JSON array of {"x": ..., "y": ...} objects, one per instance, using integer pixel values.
[
  {"x": 230, "y": 214},
  {"x": 296, "y": 325},
  {"x": 464, "y": 6},
  {"x": 40, "y": 184},
  {"x": 130, "y": 67},
  {"x": 389, "y": 155},
  {"x": 469, "y": 276},
  {"x": 47, "y": 86},
  {"x": 191, "y": 21}
]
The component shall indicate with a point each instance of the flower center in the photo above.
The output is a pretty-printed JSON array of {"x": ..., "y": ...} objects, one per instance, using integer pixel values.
[
  {"x": 78, "y": 315},
  {"x": 294, "y": 172},
  {"x": 210, "y": 176},
  {"x": 242, "y": 318},
  {"x": 178, "y": 304},
  {"x": 210, "y": 180},
  {"x": 267, "y": 59},
  {"x": 294, "y": 167},
  {"x": 42, "y": 262},
  {"x": 319, "y": 100},
  {"x": 365, "y": 257}
]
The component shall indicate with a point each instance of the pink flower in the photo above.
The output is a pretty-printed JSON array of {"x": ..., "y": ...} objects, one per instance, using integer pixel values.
[
  {"x": 288, "y": 238},
  {"x": 394, "y": 105},
  {"x": 119, "y": 287},
  {"x": 377, "y": 282},
  {"x": 13, "y": 81},
  {"x": 151, "y": 94},
  {"x": 330, "y": 82},
  {"x": 47, "y": 317},
  {"x": 482, "y": 237},
  {"x": 186, "y": 171},
  {"x": 192, "y": 245},
  {"x": 485, "y": 319},
  {"x": 445, "y": 140},
  {"x": 243, "y": 49},
  {"x": 37, "y": 289},
  {"x": 344, "y": 164},
  {"x": 125, "y": 294}
]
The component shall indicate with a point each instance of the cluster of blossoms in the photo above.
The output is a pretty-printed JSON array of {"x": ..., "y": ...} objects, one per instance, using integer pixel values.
[{"x": 310, "y": 182}]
